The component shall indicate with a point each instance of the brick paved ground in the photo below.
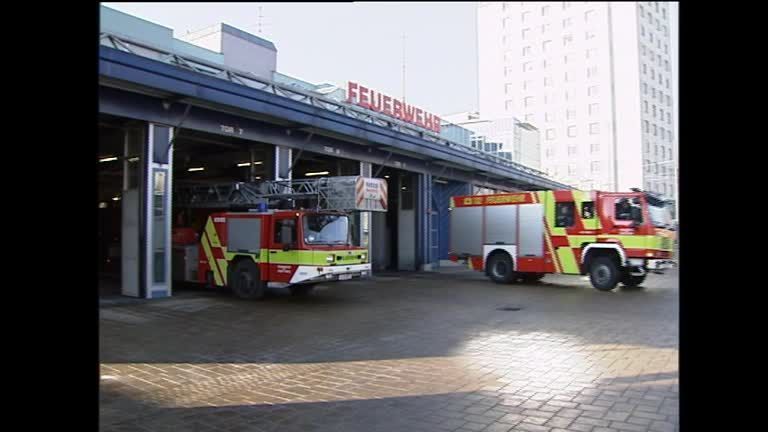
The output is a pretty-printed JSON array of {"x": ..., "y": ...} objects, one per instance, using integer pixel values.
[{"x": 408, "y": 353}]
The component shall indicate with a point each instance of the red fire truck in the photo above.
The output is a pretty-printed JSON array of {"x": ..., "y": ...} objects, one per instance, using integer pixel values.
[
  {"x": 297, "y": 247},
  {"x": 612, "y": 237}
]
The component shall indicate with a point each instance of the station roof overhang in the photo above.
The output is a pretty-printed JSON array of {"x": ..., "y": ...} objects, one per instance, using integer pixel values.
[{"x": 143, "y": 76}]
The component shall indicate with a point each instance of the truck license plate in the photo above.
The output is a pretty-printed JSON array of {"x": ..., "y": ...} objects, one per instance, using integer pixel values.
[{"x": 345, "y": 277}]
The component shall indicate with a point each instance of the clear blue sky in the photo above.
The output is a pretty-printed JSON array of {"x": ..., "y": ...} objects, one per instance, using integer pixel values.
[{"x": 339, "y": 42}]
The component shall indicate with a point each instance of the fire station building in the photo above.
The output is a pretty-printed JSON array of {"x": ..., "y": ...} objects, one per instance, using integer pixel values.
[{"x": 213, "y": 108}]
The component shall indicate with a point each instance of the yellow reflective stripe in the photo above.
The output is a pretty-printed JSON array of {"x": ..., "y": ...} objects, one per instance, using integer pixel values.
[
  {"x": 568, "y": 260},
  {"x": 213, "y": 236},
  {"x": 576, "y": 241},
  {"x": 211, "y": 260},
  {"x": 541, "y": 198}
]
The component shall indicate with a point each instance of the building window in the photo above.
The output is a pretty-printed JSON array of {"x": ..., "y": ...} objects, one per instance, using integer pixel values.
[
  {"x": 549, "y": 152},
  {"x": 589, "y": 35},
  {"x": 645, "y": 106},
  {"x": 508, "y": 71},
  {"x": 594, "y": 147},
  {"x": 653, "y": 74},
  {"x": 566, "y": 5},
  {"x": 549, "y": 117},
  {"x": 666, "y": 49},
  {"x": 567, "y": 22},
  {"x": 527, "y": 84},
  {"x": 669, "y": 101},
  {"x": 591, "y": 53},
  {"x": 663, "y": 13},
  {"x": 550, "y": 134},
  {"x": 547, "y": 81},
  {"x": 661, "y": 113},
  {"x": 657, "y": 6},
  {"x": 509, "y": 88},
  {"x": 594, "y": 128},
  {"x": 592, "y": 91},
  {"x": 529, "y": 101},
  {"x": 647, "y": 164},
  {"x": 654, "y": 111},
  {"x": 526, "y": 51},
  {"x": 642, "y": 12},
  {"x": 525, "y": 16},
  {"x": 645, "y": 88},
  {"x": 545, "y": 28},
  {"x": 567, "y": 39},
  {"x": 527, "y": 66},
  {"x": 645, "y": 69},
  {"x": 530, "y": 118},
  {"x": 595, "y": 167},
  {"x": 565, "y": 77},
  {"x": 507, "y": 23},
  {"x": 651, "y": 35},
  {"x": 546, "y": 45},
  {"x": 565, "y": 212},
  {"x": 655, "y": 130},
  {"x": 592, "y": 72},
  {"x": 667, "y": 83},
  {"x": 642, "y": 30},
  {"x": 642, "y": 49},
  {"x": 653, "y": 92},
  {"x": 570, "y": 114},
  {"x": 647, "y": 125},
  {"x": 509, "y": 105},
  {"x": 572, "y": 134},
  {"x": 594, "y": 109},
  {"x": 589, "y": 15},
  {"x": 646, "y": 147},
  {"x": 544, "y": 10},
  {"x": 526, "y": 33},
  {"x": 669, "y": 119},
  {"x": 571, "y": 150}
]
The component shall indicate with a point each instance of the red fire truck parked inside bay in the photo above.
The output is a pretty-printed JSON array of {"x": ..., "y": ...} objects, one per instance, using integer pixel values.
[{"x": 612, "y": 237}]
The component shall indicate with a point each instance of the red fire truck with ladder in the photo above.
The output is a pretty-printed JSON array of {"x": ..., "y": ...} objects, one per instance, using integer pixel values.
[
  {"x": 612, "y": 237},
  {"x": 231, "y": 237}
]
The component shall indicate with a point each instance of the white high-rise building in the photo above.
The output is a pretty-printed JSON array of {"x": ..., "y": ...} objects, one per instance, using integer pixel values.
[{"x": 594, "y": 78}]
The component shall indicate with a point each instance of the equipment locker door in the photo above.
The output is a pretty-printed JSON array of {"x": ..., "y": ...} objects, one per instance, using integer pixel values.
[
  {"x": 531, "y": 233},
  {"x": 283, "y": 248}
]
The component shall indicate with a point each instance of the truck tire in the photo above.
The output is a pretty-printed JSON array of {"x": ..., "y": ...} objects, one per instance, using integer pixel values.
[
  {"x": 246, "y": 280},
  {"x": 632, "y": 281},
  {"x": 301, "y": 290},
  {"x": 604, "y": 273},
  {"x": 500, "y": 268},
  {"x": 531, "y": 277}
]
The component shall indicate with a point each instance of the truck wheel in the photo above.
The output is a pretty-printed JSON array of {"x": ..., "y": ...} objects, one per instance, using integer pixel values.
[
  {"x": 531, "y": 277},
  {"x": 301, "y": 290},
  {"x": 246, "y": 281},
  {"x": 604, "y": 273},
  {"x": 500, "y": 268},
  {"x": 632, "y": 281}
]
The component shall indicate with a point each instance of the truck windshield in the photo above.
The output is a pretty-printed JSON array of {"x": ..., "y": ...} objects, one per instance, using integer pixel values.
[
  {"x": 326, "y": 229},
  {"x": 660, "y": 216}
]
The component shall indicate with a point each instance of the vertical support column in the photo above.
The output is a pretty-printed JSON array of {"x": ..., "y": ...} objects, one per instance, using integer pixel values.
[
  {"x": 424, "y": 222},
  {"x": 132, "y": 258},
  {"x": 282, "y": 162},
  {"x": 363, "y": 219},
  {"x": 157, "y": 211}
]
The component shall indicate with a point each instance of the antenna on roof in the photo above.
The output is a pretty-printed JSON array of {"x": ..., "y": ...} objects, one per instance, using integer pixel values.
[{"x": 260, "y": 20}]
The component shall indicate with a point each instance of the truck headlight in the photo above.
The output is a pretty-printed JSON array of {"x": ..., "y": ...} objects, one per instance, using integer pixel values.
[{"x": 329, "y": 258}]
